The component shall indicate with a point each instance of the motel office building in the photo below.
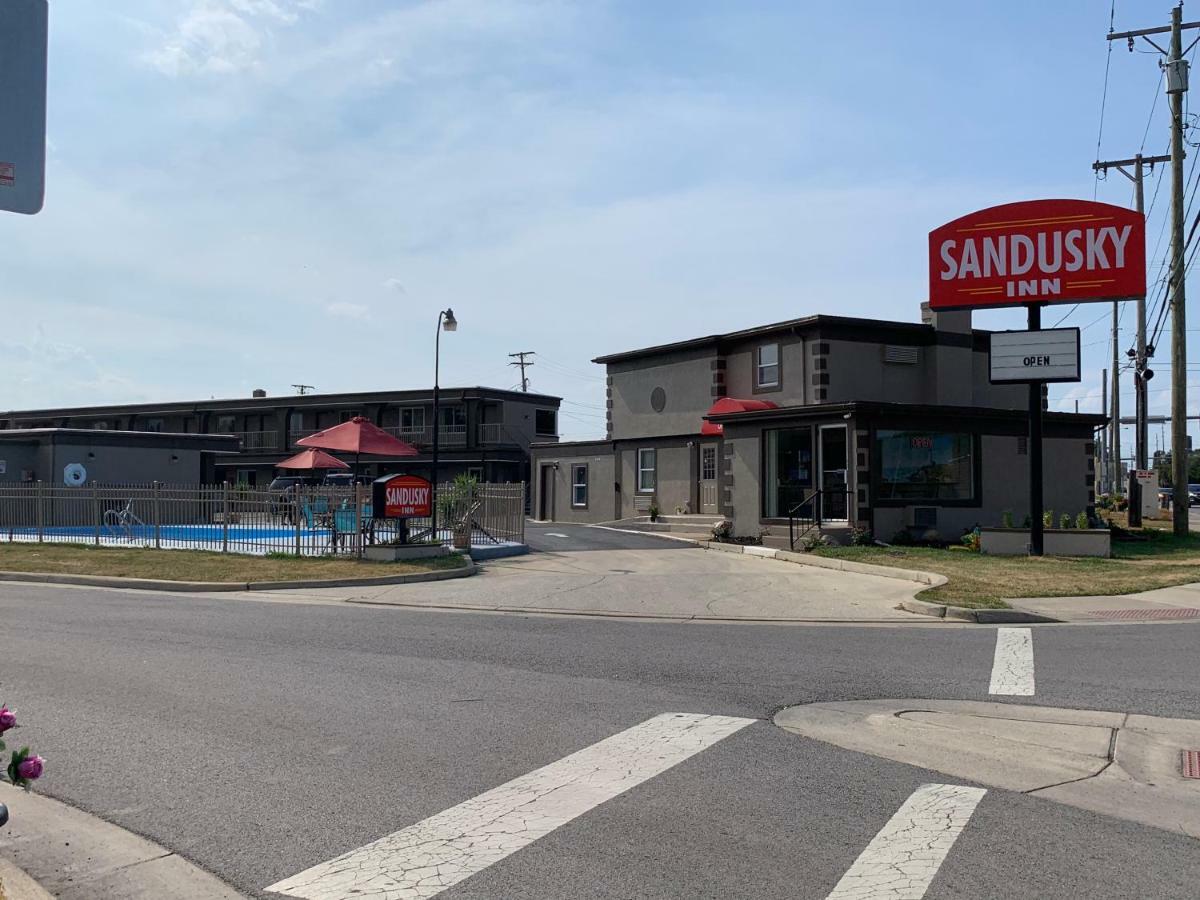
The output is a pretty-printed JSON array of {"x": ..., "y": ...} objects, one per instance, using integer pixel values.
[{"x": 896, "y": 424}]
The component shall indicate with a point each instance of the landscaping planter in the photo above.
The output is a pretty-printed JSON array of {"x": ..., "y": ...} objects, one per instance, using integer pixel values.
[
  {"x": 1057, "y": 541},
  {"x": 402, "y": 552}
]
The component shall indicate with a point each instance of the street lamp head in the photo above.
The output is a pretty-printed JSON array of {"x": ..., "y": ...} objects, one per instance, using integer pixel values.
[{"x": 449, "y": 323}]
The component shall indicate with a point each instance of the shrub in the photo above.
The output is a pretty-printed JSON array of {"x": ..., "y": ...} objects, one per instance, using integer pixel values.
[
  {"x": 1048, "y": 519},
  {"x": 862, "y": 537},
  {"x": 1081, "y": 520},
  {"x": 1006, "y": 519},
  {"x": 902, "y": 538},
  {"x": 813, "y": 540},
  {"x": 722, "y": 532},
  {"x": 1064, "y": 521},
  {"x": 971, "y": 540},
  {"x": 1027, "y": 522}
]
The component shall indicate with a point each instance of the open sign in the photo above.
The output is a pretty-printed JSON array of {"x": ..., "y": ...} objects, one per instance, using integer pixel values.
[{"x": 402, "y": 497}]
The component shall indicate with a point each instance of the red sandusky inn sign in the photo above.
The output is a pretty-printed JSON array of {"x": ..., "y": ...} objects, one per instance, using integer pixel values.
[
  {"x": 402, "y": 497},
  {"x": 1038, "y": 251}
]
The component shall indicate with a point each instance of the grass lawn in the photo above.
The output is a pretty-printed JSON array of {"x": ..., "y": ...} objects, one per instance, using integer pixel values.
[
  {"x": 986, "y": 581},
  {"x": 197, "y": 565}
]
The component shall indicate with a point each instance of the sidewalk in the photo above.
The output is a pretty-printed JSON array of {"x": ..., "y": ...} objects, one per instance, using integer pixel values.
[
  {"x": 51, "y": 849},
  {"x": 1180, "y": 603}
]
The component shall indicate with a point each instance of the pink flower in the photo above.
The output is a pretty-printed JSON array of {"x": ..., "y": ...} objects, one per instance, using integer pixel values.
[
  {"x": 30, "y": 768},
  {"x": 7, "y": 719}
]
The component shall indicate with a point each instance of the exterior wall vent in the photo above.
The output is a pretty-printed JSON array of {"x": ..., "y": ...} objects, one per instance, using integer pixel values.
[{"x": 904, "y": 356}]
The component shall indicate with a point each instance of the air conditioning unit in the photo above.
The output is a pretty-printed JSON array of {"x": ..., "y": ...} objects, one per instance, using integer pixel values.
[{"x": 921, "y": 516}]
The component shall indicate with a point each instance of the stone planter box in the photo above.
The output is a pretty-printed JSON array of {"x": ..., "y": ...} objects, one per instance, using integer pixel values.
[
  {"x": 402, "y": 552},
  {"x": 1058, "y": 541}
]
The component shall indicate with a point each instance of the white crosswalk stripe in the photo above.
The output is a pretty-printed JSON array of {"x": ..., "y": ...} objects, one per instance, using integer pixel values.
[
  {"x": 424, "y": 859},
  {"x": 901, "y": 861},
  {"x": 1012, "y": 665}
]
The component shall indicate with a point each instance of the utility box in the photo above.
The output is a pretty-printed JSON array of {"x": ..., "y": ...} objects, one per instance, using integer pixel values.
[
  {"x": 1177, "y": 76},
  {"x": 1147, "y": 480}
]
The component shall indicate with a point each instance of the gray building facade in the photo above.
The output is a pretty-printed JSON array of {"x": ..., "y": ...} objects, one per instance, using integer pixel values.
[
  {"x": 482, "y": 431},
  {"x": 890, "y": 426}
]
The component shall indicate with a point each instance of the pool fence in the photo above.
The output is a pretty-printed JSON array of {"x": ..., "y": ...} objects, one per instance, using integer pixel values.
[{"x": 309, "y": 520}]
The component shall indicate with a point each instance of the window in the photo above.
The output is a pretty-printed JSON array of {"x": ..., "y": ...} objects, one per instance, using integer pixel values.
[
  {"x": 412, "y": 419},
  {"x": 647, "y": 469},
  {"x": 926, "y": 465},
  {"x": 545, "y": 422},
  {"x": 155, "y": 425},
  {"x": 579, "y": 485},
  {"x": 347, "y": 414},
  {"x": 100, "y": 426},
  {"x": 224, "y": 425},
  {"x": 788, "y": 485},
  {"x": 708, "y": 463},
  {"x": 767, "y": 368},
  {"x": 296, "y": 422},
  {"x": 454, "y": 418}
]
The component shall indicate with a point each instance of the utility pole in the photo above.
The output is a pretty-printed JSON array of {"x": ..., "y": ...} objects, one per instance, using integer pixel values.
[
  {"x": 1105, "y": 472},
  {"x": 1140, "y": 369},
  {"x": 522, "y": 364},
  {"x": 303, "y": 389},
  {"x": 1176, "y": 68}
]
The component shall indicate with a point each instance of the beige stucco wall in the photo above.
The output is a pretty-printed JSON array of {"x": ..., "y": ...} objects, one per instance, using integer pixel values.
[
  {"x": 686, "y": 378},
  {"x": 598, "y": 457}
]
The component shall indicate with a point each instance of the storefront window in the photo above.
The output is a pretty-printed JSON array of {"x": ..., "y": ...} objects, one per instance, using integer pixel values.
[
  {"x": 789, "y": 464},
  {"x": 925, "y": 465}
]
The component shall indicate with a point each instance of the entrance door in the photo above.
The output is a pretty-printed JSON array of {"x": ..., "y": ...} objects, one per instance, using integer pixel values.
[
  {"x": 835, "y": 505},
  {"x": 546, "y": 494},
  {"x": 708, "y": 479}
]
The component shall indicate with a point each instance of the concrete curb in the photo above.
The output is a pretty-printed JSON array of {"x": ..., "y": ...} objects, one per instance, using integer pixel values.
[
  {"x": 482, "y": 554},
  {"x": 920, "y": 607},
  {"x": 100, "y": 861},
  {"x": 979, "y": 616},
  {"x": 15, "y": 884},
  {"x": 197, "y": 587},
  {"x": 930, "y": 579}
]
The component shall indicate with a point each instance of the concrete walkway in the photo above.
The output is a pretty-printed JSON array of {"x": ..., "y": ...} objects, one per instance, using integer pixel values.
[
  {"x": 1179, "y": 604},
  {"x": 687, "y": 584}
]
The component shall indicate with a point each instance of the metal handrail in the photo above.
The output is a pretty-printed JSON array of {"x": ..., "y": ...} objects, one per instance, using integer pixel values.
[
  {"x": 809, "y": 522},
  {"x": 813, "y": 520}
]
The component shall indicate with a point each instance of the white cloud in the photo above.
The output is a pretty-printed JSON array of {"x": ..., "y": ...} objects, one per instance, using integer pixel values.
[
  {"x": 222, "y": 36},
  {"x": 348, "y": 310},
  {"x": 394, "y": 284}
]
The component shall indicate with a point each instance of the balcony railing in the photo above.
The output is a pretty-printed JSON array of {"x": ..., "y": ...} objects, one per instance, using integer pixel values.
[
  {"x": 416, "y": 436},
  {"x": 452, "y": 435},
  {"x": 491, "y": 433},
  {"x": 258, "y": 440}
]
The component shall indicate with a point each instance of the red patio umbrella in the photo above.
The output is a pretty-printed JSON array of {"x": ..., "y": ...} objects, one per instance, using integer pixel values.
[
  {"x": 359, "y": 436},
  {"x": 311, "y": 460}
]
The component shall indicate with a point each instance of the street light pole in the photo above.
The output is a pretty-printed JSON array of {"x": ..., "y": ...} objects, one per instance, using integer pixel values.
[{"x": 447, "y": 322}]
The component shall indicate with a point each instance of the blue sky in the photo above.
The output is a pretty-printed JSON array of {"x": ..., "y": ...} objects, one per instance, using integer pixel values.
[{"x": 252, "y": 193}]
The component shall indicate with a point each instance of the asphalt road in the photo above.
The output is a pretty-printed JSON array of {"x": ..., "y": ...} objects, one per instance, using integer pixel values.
[{"x": 262, "y": 737}]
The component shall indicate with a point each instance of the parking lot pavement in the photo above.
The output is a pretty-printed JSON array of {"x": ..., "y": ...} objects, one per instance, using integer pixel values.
[
  {"x": 685, "y": 582},
  {"x": 555, "y": 537}
]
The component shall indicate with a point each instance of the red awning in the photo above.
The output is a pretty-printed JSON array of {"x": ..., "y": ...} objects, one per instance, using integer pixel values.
[
  {"x": 728, "y": 405},
  {"x": 359, "y": 436},
  {"x": 311, "y": 460}
]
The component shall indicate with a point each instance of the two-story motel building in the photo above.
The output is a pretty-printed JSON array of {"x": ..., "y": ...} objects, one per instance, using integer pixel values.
[{"x": 895, "y": 423}]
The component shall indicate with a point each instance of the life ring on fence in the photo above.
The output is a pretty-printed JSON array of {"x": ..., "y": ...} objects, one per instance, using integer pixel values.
[{"x": 74, "y": 475}]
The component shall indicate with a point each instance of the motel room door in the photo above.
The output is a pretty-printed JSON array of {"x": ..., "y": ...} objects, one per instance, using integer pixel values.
[{"x": 709, "y": 504}]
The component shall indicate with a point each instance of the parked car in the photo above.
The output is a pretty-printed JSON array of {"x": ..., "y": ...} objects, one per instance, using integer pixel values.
[
  {"x": 1194, "y": 495},
  {"x": 344, "y": 479}
]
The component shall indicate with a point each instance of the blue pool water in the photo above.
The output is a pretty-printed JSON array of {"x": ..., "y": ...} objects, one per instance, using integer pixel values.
[{"x": 190, "y": 533}]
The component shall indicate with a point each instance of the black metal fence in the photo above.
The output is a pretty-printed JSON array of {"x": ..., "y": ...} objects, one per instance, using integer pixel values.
[{"x": 304, "y": 521}]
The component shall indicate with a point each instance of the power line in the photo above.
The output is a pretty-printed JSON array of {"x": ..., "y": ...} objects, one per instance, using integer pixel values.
[
  {"x": 519, "y": 360},
  {"x": 1112, "y": 18}
]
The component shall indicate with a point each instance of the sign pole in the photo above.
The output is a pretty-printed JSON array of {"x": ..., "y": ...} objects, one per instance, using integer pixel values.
[{"x": 1036, "y": 538}]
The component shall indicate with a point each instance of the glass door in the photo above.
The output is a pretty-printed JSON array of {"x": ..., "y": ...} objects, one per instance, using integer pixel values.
[
  {"x": 708, "y": 479},
  {"x": 835, "y": 505}
]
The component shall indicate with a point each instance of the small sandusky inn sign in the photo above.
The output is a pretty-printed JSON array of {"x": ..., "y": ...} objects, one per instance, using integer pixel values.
[{"x": 1051, "y": 354}]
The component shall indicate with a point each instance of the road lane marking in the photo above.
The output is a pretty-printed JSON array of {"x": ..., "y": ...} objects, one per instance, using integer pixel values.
[
  {"x": 901, "y": 861},
  {"x": 424, "y": 859},
  {"x": 555, "y": 534},
  {"x": 1012, "y": 666}
]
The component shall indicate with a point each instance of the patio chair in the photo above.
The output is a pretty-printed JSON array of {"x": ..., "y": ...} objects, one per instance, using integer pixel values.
[{"x": 343, "y": 525}]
